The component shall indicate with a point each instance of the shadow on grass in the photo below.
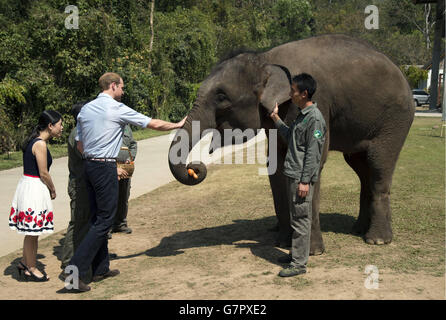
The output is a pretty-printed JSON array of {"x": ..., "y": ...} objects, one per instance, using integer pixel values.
[
  {"x": 336, "y": 222},
  {"x": 240, "y": 230},
  {"x": 253, "y": 234},
  {"x": 58, "y": 250},
  {"x": 12, "y": 270}
]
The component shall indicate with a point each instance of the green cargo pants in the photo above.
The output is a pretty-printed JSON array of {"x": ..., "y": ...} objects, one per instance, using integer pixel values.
[{"x": 300, "y": 221}]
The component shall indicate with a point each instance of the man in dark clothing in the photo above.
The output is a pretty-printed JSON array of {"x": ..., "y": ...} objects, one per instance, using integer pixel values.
[
  {"x": 120, "y": 223},
  {"x": 305, "y": 139},
  {"x": 77, "y": 190}
]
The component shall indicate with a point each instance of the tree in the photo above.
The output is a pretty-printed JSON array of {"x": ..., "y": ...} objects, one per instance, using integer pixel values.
[{"x": 414, "y": 75}]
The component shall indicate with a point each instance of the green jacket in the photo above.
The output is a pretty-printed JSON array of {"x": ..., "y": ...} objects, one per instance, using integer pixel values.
[
  {"x": 305, "y": 139},
  {"x": 129, "y": 142}
]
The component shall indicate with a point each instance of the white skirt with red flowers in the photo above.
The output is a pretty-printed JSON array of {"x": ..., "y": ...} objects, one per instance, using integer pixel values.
[{"x": 31, "y": 210}]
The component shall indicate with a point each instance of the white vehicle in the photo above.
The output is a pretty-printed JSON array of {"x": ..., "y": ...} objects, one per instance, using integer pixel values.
[{"x": 420, "y": 97}]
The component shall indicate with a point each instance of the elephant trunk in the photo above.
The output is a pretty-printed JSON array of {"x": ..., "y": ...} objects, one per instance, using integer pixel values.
[{"x": 182, "y": 144}]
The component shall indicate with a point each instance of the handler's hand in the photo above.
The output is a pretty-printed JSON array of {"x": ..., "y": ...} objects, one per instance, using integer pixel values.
[
  {"x": 122, "y": 174},
  {"x": 275, "y": 114},
  {"x": 303, "y": 189}
]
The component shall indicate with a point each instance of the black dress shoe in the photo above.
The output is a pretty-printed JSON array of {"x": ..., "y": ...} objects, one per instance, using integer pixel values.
[
  {"x": 34, "y": 278},
  {"x": 123, "y": 229},
  {"x": 82, "y": 287},
  {"x": 108, "y": 274},
  {"x": 21, "y": 268}
]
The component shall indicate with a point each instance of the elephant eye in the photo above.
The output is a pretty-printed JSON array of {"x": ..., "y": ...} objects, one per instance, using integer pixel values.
[{"x": 221, "y": 97}]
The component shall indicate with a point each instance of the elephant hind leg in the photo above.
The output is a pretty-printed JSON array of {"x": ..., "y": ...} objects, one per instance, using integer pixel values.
[
  {"x": 358, "y": 162},
  {"x": 375, "y": 168}
]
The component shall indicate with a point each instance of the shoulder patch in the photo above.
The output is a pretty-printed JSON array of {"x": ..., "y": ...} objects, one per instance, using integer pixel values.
[{"x": 317, "y": 134}]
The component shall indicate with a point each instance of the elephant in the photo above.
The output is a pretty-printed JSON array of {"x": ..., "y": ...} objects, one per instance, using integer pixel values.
[{"x": 363, "y": 96}]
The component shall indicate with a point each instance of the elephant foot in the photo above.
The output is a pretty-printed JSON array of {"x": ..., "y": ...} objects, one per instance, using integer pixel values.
[
  {"x": 317, "y": 249},
  {"x": 378, "y": 237},
  {"x": 317, "y": 252}
]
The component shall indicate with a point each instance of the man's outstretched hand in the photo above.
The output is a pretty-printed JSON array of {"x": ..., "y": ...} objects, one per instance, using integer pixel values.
[{"x": 181, "y": 123}]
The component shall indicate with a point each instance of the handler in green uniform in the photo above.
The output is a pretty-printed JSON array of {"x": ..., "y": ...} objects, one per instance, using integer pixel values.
[
  {"x": 305, "y": 139},
  {"x": 120, "y": 223},
  {"x": 77, "y": 190}
]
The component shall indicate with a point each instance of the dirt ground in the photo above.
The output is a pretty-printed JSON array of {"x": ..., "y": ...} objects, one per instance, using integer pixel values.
[{"x": 186, "y": 246}]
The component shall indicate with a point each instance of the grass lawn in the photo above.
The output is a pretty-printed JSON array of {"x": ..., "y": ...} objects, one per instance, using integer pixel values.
[{"x": 14, "y": 159}]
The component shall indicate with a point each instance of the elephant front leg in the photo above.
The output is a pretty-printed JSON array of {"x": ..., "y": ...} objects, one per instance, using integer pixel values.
[{"x": 278, "y": 187}]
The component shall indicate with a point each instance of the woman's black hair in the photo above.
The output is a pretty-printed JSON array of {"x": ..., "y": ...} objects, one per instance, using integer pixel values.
[{"x": 46, "y": 117}]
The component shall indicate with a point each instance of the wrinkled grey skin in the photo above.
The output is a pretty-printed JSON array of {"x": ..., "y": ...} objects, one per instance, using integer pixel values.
[{"x": 363, "y": 96}]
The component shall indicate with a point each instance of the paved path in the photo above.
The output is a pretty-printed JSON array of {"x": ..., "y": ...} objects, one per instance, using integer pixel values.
[
  {"x": 151, "y": 172},
  {"x": 428, "y": 113}
]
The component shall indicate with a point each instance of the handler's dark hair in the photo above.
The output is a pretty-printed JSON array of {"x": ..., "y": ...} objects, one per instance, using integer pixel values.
[
  {"x": 304, "y": 82},
  {"x": 76, "y": 108},
  {"x": 46, "y": 117}
]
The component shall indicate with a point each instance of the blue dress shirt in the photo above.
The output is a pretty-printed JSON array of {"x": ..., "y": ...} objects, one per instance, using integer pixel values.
[{"x": 100, "y": 126}]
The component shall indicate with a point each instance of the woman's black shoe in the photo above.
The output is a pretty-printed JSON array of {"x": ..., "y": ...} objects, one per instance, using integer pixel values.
[
  {"x": 34, "y": 278},
  {"x": 21, "y": 268}
]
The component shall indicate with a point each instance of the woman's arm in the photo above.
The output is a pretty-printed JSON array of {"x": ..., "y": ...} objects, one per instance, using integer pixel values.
[{"x": 40, "y": 151}]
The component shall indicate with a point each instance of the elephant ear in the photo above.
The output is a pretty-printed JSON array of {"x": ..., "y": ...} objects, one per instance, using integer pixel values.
[{"x": 277, "y": 82}]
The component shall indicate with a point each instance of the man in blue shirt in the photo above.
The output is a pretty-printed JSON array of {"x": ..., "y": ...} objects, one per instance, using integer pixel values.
[{"x": 100, "y": 127}]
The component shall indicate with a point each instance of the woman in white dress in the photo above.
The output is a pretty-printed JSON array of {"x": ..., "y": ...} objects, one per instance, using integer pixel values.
[{"x": 32, "y": 210}]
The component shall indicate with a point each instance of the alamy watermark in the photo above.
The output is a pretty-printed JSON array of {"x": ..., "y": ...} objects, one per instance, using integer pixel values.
[
  {"x": 72, "y": 279},
  {"x": 72, "y": 21},
  {"x": 372, "y": 281},
  {"x": 371, "y": 21}
]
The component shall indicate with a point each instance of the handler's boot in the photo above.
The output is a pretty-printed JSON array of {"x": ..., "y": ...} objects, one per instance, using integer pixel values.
[{"x": 291, "y": 271}]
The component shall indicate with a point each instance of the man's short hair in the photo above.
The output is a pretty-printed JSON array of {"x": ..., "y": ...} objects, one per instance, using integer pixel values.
[
  {"x": 107, "y": 79},
  {"x": 304, "y": 82},
  {"x": 76, "y": 108}
]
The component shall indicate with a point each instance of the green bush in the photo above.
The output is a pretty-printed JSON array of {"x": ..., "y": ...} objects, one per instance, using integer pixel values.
[{"x": 414, "y": 75}]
